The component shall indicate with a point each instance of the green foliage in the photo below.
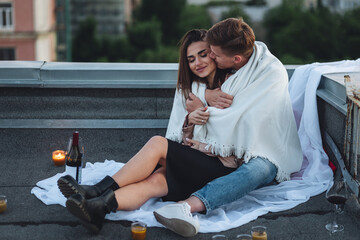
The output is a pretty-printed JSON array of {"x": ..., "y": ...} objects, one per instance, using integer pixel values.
[
  {"x": 350, "y": 35},
  {"x": 115, "y": 49},
  {"x": 162, "y": 55},
  {"x": 256, "y": 2},
  {"x": 214, "y": 3},
  {"x": 166, "y": 12},
  {"x": 193, "y": 17},
  {"x": 298, "y": 35},
  {"x": 236, "y": 11},
  {"x": 144, "y": 35},
  {"x": 85, "y": 43}
]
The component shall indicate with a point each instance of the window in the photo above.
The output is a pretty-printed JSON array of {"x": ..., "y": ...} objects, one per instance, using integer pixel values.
[
  {"x": 7, "y": 53},
  {"x": 6, "y": 21}
]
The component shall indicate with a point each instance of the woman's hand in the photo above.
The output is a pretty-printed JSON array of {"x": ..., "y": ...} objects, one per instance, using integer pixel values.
[
  {"x": 193, "y": 143},
  {"x": 199, "y": 116},
  {"x": 193, "y": 103}
]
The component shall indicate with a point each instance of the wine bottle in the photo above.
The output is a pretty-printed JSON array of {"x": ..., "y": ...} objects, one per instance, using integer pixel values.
[{"x": 74, "y": 159}]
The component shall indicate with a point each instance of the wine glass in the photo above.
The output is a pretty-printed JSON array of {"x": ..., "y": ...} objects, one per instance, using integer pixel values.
[{"x": 337, "y": 194}]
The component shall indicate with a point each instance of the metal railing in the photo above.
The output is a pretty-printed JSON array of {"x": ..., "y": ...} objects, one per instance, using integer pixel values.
[{"x": 90, "y": 75}]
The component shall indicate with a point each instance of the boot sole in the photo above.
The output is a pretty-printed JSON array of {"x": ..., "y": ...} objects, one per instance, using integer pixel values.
[
  {"x": 67, "y": 187},
  {"x": 79, "y": 210},
  {"x": 179, "y": 226}
]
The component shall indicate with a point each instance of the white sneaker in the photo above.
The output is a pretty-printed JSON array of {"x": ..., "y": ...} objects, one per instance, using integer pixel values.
[{"x": 178, "y": 218}]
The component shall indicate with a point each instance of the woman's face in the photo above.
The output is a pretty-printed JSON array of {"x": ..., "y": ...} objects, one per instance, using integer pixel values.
[{"x": 200, "y": 63}]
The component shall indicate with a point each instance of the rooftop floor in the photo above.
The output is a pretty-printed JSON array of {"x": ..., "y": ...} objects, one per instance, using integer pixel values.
[
  {"x": 27, "y": 140},
  {"x": 28, "y": 218}
]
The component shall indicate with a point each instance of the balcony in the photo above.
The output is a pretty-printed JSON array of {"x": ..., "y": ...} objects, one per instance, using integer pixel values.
[{"x": 117, "y": 107}]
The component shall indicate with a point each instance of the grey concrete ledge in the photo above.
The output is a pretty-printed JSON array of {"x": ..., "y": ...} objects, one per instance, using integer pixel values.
[
  {"x": 91, "y": 75},
  {"x": 84, "y": 123},
  {"x": 332, "y": 89}
]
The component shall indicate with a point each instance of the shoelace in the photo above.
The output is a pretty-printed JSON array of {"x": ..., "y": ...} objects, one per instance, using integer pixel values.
[{"x": 186, "y": 209}]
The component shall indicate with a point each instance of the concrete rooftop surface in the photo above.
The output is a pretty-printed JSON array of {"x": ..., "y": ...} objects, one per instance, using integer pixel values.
[{"x": 26, "y": 159}]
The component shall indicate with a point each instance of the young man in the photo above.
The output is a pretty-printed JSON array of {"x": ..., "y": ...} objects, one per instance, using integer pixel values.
[{"x": 263, "y": 132}]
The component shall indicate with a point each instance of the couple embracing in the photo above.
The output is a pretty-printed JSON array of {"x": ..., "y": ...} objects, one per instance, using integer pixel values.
[{"x": 231, "y": 130}]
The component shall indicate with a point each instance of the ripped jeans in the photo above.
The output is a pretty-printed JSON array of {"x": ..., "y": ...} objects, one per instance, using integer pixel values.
[{"x": 249, "y": 176}]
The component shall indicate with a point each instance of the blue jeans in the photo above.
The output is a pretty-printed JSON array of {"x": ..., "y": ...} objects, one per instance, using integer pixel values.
[{"x": 226, "y": 189}]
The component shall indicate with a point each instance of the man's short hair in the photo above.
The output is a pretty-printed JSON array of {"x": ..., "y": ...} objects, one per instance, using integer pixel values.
[{"x": 233, "y": 36}]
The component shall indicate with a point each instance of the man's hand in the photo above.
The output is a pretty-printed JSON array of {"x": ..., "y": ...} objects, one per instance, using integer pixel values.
[
  {"x": 193, "y": 103},
  {"x": 199, "y": 116},
  {"x": 217, "y": 98}
]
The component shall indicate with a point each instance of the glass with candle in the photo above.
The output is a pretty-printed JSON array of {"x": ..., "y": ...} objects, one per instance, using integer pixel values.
[
  {"x": 243, "y": 237},
  {"x": 258, "y": 233},
  {"x": 219, "y": 237},
  {"x": 58, "y": 157},
  {"x": 3, "y": 203},
  {"x": 138, "y": 230}
]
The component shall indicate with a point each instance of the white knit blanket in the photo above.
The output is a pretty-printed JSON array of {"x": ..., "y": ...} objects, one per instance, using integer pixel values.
[
  {"x": 260, "y": 121},
  {"x": 314, "y": 177}
]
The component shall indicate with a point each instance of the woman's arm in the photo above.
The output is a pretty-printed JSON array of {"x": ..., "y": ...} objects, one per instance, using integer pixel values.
[
  {"x": 197, "y": 117},
  {"x": 230, "y": 161},
  {"x": 193, "y": 103}
]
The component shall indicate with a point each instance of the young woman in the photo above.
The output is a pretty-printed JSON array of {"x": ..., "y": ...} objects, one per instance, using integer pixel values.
[{"x": 162, "y": 168}]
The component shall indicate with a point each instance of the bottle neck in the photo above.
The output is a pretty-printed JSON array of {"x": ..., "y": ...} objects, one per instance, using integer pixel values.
[{"x": 75, "y": 141}]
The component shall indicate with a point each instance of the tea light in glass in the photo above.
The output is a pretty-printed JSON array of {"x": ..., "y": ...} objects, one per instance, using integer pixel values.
[
  {"x": 259, "y": 233},
  {"x": 58, "y": 157},
  {"x": 3, "y": 203},
  {"x": 138, "y": 230}
]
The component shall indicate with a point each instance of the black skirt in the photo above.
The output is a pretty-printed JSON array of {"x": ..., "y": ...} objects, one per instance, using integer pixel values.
[{"x": 188, "y": 170}]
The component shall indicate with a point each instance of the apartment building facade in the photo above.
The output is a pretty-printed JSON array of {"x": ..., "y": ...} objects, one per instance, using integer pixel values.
[{"x": 27, "y": 30}]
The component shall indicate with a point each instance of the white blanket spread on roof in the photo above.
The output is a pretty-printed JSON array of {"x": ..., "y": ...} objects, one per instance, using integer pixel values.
[{"x": 314, "y": 177}]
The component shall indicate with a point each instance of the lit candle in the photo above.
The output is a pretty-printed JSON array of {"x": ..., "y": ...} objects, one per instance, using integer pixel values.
[
  {"x": 58, "y": 157},
  {"x": 3, "y": 202},
  {"x": 138, "y": 231}
]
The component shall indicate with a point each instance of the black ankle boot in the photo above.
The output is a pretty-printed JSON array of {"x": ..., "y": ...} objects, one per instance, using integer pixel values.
[
  {"x": 68, "y": 186},
  {"x": 91, "y": 212}
]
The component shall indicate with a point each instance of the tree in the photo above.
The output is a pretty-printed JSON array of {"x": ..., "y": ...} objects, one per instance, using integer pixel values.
[
  {"x": 145, "y": 35},
  {"x": 85, "y": 43},
  {"x": 294, "y": 32},
  {"x": 236, "y": 11},
  {"x": 166, "y": 12},
  {"x": 193, "y": 17},
  {"x": 162, "y": 55},
  {"x": 350, "y": 35}
]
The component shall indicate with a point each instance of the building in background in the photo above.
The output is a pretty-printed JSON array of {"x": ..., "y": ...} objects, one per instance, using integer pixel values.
[
  {"x": 111, "y": 16},
  {"x": 341, "y": 6},
  {"x": 27, "y": 30},
  {"x": 63, "y": 31}
]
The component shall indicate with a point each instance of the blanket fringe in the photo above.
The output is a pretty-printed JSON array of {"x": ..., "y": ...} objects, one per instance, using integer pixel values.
[
  {"x": 247, "y": 154},
  {"x": 176, "y": 137}
]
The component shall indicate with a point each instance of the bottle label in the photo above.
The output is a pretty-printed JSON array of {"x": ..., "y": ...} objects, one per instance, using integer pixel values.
[{"x": 75, "y": 172}]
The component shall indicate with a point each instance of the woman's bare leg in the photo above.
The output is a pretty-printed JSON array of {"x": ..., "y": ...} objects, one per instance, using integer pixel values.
[
  {"x": 135, "y": 195},
  {"x": 143, "y": 163}
]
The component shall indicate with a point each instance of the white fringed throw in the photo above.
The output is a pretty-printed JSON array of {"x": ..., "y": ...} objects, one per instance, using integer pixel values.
[{"x": 260, "y": 121}]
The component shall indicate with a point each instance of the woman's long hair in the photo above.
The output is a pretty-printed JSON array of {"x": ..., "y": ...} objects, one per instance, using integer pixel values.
[{"x": 185, "y": 75}]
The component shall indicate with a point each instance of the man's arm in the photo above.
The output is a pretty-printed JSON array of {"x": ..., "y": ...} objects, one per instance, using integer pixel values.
[{"x": 217, "y": 98}]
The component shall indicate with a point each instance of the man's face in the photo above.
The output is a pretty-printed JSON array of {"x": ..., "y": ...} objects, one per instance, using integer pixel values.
[{"x": 222, "y": 61}]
